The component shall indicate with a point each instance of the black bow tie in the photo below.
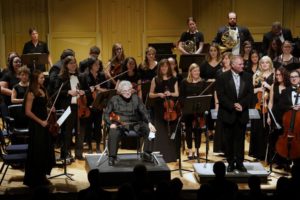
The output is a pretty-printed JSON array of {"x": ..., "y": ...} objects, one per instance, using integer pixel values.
[
  {"x": 233, "y": 28},
  {"x": 74, "y": 74}
]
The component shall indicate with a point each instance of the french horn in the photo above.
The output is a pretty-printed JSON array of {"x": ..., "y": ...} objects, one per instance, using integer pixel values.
[
  {"x": 229, "y": 40},
  {"x": 189, "y": 46}
]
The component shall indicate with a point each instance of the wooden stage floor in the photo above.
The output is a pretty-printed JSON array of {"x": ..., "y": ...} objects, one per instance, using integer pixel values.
[{"x": 13, "y": 184}]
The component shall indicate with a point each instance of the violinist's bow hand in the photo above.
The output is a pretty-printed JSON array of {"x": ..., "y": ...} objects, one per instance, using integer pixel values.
[
  {"x": 296, "y": 107},
  {"x": 151, "y": 127},
  {"x": 44, "y": 123},
  {"x": 92, "y": 88},
  {"x": 167, "y": 93}
]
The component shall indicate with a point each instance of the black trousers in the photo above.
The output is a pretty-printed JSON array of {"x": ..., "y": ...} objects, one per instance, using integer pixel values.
[
  {"x": 115, "y": 134},
  {"x": 234, "y": 136}
]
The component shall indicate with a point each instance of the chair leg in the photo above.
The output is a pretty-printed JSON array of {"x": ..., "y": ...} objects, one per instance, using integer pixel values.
[
  {"x": 4, "y": 174},
  {"x": 2, "y": 167}
]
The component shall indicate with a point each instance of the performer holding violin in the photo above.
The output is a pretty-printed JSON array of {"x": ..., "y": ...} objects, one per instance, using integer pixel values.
[
  {"x": 193, "y": 85},
  {"x": 126, "y": 112},
  {"x": 115, "y": 63},
  {"x": 164, "y": 89},
  {"x": 40, "y": 156},
  {"x": 94, "y": 77},
  {"x": 263, "y": 79},
  {"x": 132, "y": 75},
  {"x": 72, "y": 94},
  {"x": 288, "y": 144}
]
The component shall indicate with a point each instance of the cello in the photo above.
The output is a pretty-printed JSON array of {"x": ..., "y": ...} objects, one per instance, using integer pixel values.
[{"x": 288, "y": 144}]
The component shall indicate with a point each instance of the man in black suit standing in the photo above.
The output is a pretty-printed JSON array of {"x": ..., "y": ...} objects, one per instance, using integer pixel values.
[
  {"x": 277, "y": 32},
  {"x": 235, "y": 90},
  {"x": 235, "y": 33}
]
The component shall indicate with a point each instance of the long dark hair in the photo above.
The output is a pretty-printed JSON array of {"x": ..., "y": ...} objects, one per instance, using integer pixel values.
[
  {"x": 33, "y": 84},
  {"x": 160, "y": 64},
  {"x": 64, "y": 72},
  {"x": 285, "y": 76}
]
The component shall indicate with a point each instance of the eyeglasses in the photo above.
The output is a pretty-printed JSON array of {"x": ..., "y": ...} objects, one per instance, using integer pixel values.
[
  {"x": 17, "y": 61},
  {"x": 126, "y": 91},
  {"x": 118, "y": 49},
  {"x": 292, "y": 77}
]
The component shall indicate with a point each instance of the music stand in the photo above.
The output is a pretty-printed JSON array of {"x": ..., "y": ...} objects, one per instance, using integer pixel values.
[
  {"x": 34, "y": 59},
  {"x": 196, "y": 105},
  {"x": 102, "y": 98},
  {"x": 187, "y": 60}
]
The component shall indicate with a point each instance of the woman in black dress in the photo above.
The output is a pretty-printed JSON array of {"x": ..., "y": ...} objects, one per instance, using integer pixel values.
[
  {"x": 40, "y": 156},
  {"x": 280, "y": 84},
  {"x": 19, "y": 90},
  {"x": 164, "y": 87},
  {"x": 262, "y": 82},
  {"x": 193, "y": 85},
  {"x": 147, "y": 71}
]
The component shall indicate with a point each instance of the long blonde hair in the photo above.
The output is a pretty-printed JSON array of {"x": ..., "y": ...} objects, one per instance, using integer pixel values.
[{"x": 189, "y": 78}]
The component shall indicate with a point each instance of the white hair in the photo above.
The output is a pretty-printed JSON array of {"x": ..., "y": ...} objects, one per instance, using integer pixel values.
[{"x": 124, "y": 84}]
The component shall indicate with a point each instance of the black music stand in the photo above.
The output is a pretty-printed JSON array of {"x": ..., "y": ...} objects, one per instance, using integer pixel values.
[
  {"x": 196, "y": 105},
  {"x": 34, "y": 59},
  {"x": 59, "y": 113},
  {"x": 102, "y": 98},
  {"x": 187, "y": 60}
]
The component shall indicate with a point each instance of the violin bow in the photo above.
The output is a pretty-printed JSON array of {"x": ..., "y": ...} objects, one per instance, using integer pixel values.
[
  {"x": 55, "y": 101},
  {"x": 210, "y": 84},
  {"x": 111, "y": 78}
]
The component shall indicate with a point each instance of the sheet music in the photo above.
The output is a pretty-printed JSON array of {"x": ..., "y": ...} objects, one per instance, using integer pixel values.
[
  {"x": 253, "y": 114},
  {"x": 64, "y": 116}
]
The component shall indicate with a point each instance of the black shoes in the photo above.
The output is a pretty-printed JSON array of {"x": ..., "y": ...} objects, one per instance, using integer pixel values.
[
  {"x": 230, "y": 167},
  {"x": 240, "y": 167},
  {"x": 147, "y": 157},
  {"x": 79, "y": 157},
  {"x": 111, "y": 161}
]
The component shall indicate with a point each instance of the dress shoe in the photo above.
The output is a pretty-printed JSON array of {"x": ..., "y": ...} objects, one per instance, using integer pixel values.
[
  {"x": 230, "y": 168},
  {"x": 111, "y": 161},
  {"x": 147, "y": 157},
  {"x": 241, "y": 167},
  {"x": 79, "y": 157}
]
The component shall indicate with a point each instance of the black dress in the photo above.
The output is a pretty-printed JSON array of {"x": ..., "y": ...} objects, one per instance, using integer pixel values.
[
  {"x": 168, "y": 148},
  {"x": 40, "y": 156},
  {"x": 20, "y": 90},
  {"x": 146, "y": 76},
  {"x": 259, "y": 133}
]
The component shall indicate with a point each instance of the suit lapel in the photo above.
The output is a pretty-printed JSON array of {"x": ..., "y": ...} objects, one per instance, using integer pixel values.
[
  {"x": 242, "y": 85},
  {"x": 232, "y": 85}
]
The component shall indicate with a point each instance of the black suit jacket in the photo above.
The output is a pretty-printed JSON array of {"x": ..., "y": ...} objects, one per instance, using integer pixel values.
[
  {"x": 227, "y": 97},
  {"x": 268, "y": 37},
  {"x": 244, "y": 35}
]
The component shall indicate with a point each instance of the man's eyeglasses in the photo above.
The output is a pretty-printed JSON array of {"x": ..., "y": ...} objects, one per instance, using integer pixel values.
[{"x": 292, "y": 77}]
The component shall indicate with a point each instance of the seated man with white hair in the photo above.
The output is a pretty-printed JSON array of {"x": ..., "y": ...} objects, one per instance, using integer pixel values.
[{"x": 124, "y": 113}]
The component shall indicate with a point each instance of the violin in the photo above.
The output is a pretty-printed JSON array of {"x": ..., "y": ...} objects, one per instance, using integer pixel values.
[
  {"x": 288, "y": 144},
  {"x": 198, "y": 122},
  {"x": 170, "y": 113},
  {"x": 53, "y": 126},
  {"x": 115, "y": 69},
  {"x": 262, "y": 104},
  {"x": 83, "y": 109},
  {"x": 113, "y": 117}
]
